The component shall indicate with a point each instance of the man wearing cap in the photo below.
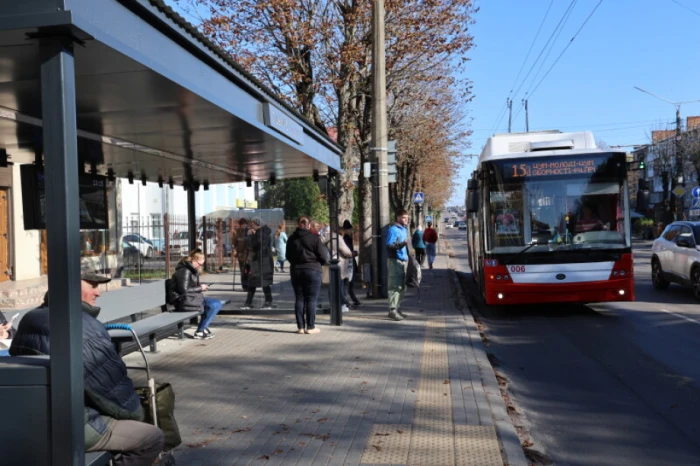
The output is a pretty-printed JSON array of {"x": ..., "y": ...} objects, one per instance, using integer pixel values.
[{"x": 113, "y": 413}]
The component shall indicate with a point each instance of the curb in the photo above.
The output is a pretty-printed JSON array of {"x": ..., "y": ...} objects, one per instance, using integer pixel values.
[{"x": 512, "y": 449}]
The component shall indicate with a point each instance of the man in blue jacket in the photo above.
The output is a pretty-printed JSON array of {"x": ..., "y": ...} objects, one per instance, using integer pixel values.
[
  {"x": 397, "y": 250},
  {"x": 113, "y": 413}
]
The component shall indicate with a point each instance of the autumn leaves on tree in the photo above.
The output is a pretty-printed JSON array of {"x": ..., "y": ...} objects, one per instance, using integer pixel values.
[{"x": 316, "y": 54}]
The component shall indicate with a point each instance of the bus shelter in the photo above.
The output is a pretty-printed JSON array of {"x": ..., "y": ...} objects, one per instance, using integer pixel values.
[{"x": 126, "y": 88}]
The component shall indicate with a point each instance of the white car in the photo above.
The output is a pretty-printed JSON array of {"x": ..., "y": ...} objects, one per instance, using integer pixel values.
[{"x": 676, "y": 257}]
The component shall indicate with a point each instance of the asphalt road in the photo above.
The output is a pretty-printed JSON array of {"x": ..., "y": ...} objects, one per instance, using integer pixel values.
[{"x": 612, "y": 384}]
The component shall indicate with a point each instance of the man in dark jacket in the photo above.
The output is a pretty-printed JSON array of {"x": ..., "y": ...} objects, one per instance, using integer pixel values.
[
  {"x": 306, "y": 254},
  {"x": 113, "y": 412}
]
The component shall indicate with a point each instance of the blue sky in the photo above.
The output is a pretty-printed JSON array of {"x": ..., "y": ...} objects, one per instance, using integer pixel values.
[{"x": 651, "y": 44}]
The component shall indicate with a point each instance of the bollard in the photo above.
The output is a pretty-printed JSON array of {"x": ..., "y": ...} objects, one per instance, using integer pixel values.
[{"x": 335, "y": 284}]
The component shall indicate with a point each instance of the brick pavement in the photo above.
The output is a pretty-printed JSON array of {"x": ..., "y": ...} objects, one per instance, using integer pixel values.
[{"x": 259, "y": 393}]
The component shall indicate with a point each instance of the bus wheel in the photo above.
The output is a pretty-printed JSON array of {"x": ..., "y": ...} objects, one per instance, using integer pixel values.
[{"x": 657, "y": 276}]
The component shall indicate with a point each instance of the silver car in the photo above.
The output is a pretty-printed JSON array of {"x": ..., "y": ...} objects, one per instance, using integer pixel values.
[{"x": 676, "y": 257}]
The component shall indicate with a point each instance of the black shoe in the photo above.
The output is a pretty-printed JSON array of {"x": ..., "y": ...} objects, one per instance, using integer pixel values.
[
  {"x": 356, "y": 304},
  {"x": 401, "y": 313},
  {"x": 209, "y": 332},
  {"x": 393, "y": 315}
]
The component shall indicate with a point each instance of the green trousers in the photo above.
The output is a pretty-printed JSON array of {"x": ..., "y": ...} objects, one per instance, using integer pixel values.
[{"x": 397, "y": 282}]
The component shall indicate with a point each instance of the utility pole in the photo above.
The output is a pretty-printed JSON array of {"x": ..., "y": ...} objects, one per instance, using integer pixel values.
[
  {"x": 527, "y": 117},
  {"x": 379, "y": 146},
  {"x": 678, "y": 181},
  {"x": 510, "y": 114}
]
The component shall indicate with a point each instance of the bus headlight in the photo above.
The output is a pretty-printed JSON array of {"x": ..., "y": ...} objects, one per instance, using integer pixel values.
[
  {"x": 622, "y": 292},
  {"x": 500, "y": 295}
]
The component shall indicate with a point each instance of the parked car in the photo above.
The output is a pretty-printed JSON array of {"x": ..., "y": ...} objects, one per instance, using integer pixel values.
[
  {"x": 143, "y": 244},
  {"x": 131, "y": 254},
  {"x": 180, "y": 243},
  {"x": 676, "y": 258},
  {"x": 462, "y": 226}
]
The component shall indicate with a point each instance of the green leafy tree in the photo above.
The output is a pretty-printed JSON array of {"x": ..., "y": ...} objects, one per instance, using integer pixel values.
[{"x": 297, "y": 196}]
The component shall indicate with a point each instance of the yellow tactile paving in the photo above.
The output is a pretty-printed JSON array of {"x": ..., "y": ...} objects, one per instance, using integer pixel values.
[
  {"x": 477, "y": 446},
  {"x": 433, "y": 439}
]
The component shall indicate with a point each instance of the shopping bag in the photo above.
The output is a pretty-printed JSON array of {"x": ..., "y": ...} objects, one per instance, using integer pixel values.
[
  {"x": 326, "y": 274},
  {"x": 165, "y": 409},
  {"x": 413, "y": 272}
]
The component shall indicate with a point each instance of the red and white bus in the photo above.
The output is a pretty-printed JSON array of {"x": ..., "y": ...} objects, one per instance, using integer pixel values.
[{"x": 548, "y": 220}]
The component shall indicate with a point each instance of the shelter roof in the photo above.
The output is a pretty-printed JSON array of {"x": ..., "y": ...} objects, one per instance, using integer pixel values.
[{"x": 153, "y": 97}]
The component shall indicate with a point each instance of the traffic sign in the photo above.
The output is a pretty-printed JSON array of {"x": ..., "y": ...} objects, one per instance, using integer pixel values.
[
  {"x": 696, "y": 192},
  {"x": 694, "y": 212},
  {"x": 696, "y": 203},
  {"x": 428, "y": 219},
  {"x": 679, "y": 191},
  {"x": 418, "y": 198}
]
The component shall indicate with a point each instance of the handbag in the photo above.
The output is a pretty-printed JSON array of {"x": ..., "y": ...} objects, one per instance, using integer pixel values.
[{"x": 165, "y": 410}]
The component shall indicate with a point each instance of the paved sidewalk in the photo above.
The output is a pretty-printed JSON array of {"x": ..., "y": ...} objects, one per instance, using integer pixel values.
[{"x": 372, "y": 391}]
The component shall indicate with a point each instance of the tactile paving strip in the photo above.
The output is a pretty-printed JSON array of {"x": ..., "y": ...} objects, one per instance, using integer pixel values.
[
  {"x": 432, "y": 437},
  {"x": 477, "y": 446},
  {"x": 387, "y": 444}
]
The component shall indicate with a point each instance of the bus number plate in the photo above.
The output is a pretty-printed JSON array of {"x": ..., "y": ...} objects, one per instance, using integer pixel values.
[{"x": 517, "y": 269}]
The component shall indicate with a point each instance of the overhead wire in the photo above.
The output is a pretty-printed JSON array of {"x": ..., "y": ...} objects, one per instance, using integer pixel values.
[
  {"x": 567, "y": 47},
  {"x": 686, "y": 7}
]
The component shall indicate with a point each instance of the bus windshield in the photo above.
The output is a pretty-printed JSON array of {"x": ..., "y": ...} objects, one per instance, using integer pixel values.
[{"x": 557, "y": 203}]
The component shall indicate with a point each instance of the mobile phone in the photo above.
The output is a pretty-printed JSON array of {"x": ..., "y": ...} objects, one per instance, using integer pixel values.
[{"x": 14, "y": 317}]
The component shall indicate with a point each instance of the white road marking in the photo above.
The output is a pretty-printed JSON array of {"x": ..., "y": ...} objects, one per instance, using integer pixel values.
[{"x": 682, "y": 316}]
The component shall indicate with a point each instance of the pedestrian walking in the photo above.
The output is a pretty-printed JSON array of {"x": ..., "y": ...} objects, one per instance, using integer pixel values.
[
  {"x": 430, "y": 237},
  {"x": 281, "y": 246},
  {"x": 185, "y": 293},
  {"x": 397, "y": 251},
  {"x": 306, "y": 254},
  {"x": 350, "y": 289},
  {"x": 418, "y": 244},
  {"x": 261, "y": 264}
]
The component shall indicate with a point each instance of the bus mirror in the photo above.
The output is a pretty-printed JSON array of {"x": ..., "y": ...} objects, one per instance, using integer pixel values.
[
  {"x": 471, "y": 184},
  {"x": 472, "y": 201}
]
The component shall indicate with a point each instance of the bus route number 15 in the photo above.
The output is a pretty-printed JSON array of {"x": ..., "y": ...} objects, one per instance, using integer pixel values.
[{"x": 517, "y": 269}]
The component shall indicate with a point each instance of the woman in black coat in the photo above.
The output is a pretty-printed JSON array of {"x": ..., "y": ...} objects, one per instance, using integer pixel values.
[{"x": 262, "y": 268}]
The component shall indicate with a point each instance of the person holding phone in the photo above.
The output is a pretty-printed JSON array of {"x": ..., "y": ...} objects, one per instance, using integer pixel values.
[
  {"x": 6, "y": 329},
  {"x": 186, "y": 293}
]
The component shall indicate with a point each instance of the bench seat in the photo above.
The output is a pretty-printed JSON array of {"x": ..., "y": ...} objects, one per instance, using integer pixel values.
[{"x": 150, "y": 326}]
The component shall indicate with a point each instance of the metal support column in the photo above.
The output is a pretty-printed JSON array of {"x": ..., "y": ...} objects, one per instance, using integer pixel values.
[
  {"x": 191, "y": 219},
  {"x": 335, "y": 282},
  {"x": 63, "y": 231}
]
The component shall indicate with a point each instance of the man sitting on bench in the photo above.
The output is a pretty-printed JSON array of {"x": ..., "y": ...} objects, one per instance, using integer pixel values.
[{"x": 113, "y": 412}]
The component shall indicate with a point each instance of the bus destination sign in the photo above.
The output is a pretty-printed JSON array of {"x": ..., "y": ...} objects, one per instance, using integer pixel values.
[{"x": 546, "y": 167}]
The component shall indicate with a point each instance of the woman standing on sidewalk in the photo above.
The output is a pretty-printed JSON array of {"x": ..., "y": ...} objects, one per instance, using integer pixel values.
[
  {"x": 350, "y": 284},
  {"x": 261, "y": 264},
  {"x": 430, "y": 237},
  {"x": 186, "y": 293},
  {"x": 306, "y": 254},
  {"x": 281, "y": 246}
]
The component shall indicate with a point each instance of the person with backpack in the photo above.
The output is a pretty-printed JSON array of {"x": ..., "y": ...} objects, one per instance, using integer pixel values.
[
  {"x": 418, "y": 244},
  {"x": 185, "y": 293},
  {"x": 430, "y": 237}
]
